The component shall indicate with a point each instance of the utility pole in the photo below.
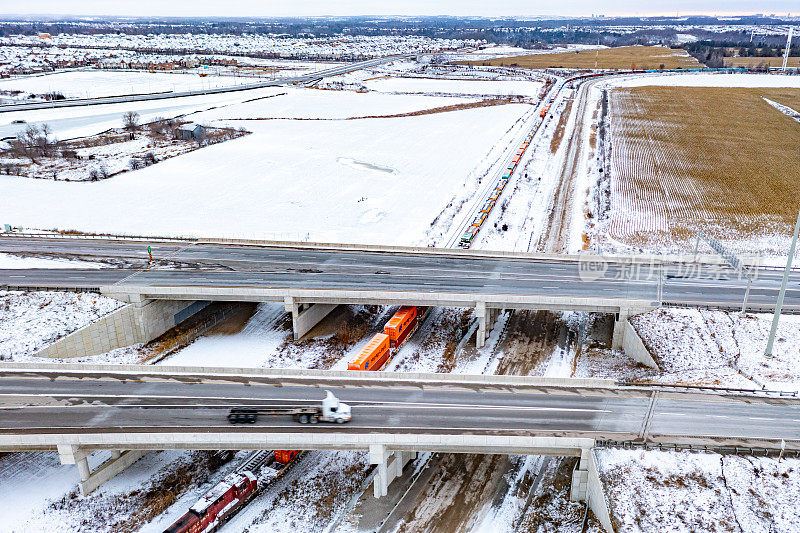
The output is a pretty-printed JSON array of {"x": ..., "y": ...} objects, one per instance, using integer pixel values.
[
  {"x": 782, "y": 293},
  {"x": 788, "y": 47}
]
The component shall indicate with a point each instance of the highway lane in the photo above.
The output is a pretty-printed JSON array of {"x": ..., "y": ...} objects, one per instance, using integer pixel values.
[
  {"x": 105, "y": 402},
  {"x": 265, "y": 258},
  {"x": 488, "y": 280},
  {"x": 217, "y": 265},
  {"x": 234, "y": 88}
]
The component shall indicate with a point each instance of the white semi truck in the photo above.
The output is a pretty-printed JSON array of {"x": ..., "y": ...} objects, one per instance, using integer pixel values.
[{"x": 331, "y": 410}]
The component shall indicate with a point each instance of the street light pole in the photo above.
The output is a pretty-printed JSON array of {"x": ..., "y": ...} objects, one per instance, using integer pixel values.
[{"x": 782, "y": 293}]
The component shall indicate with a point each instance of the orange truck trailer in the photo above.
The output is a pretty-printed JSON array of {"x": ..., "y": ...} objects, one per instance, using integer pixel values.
[{"x": 373, "y": 356}]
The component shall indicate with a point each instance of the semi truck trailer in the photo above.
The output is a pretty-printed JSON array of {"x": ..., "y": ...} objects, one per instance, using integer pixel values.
[{"x": 331, "y": 410}]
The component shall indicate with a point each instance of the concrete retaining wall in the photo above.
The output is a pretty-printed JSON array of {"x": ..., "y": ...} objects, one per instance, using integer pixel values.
[
  {"x": 633, "y": 346},
  {"x": 130, "y": 324},
  {"x": 597, "y": 496}
]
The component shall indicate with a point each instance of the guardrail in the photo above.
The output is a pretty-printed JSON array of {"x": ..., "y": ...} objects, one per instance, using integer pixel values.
[
  {"x": 711, "y": 388},
  {"x": 95, "y": 236},
  {"x": 305, "y": 375},
  {"x": 720, "y": 449}
]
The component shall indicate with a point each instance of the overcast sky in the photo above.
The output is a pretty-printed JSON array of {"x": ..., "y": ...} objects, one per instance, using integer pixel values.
[{"x": 280, "y": 8}]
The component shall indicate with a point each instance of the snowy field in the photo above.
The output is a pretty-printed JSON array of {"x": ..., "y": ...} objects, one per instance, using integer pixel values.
[
  {"x": 80, "y": 121},
  {"x": 96, "y": 83},
  {"x": 688, "y": 342},
  {"x": 465, "y": 87},
  {"x": 684, "y": 491},
  {"x": 324, "y": 104},
  {"x": 32, "y": 320},
  {"x": 335, "y": 181},
  {"x": 706, "y": 80}
]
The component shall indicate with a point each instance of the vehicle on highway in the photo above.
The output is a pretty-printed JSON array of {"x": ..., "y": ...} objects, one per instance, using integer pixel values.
[{"x": 331, "y": 410}]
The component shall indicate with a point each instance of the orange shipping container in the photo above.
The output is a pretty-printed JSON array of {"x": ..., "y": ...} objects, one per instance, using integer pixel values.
[
  {"x": 397, "y": 326},
  {"x": 373, "y": 356}
]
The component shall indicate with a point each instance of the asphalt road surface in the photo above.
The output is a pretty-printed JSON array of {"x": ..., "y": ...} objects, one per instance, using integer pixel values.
[
  {"x": 161, "y": 96},
  {"x": 189, "y": 264},
  {"x": 48, "y": 402}
]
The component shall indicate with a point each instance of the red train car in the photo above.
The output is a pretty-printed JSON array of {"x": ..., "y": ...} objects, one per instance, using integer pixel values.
[
  {"x": 285, "y": 456},
  {"x": 217, "y": 505}
]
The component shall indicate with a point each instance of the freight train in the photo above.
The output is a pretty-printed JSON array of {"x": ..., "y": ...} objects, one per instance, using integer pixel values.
[
  {"x": 383, "y": 346},
  {"x": 228, "y": 496},
  {"x": 472, "y": 231}
]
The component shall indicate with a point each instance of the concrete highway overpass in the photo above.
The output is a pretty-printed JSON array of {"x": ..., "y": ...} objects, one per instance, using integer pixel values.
[
  {"x": 77, "y": 409},
  {"x": 311, "y": 279}
]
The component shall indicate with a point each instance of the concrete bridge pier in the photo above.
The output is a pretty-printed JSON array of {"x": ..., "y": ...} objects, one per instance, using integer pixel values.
[
  {"x": 120, "y": 460},
  {"x": 390, "y": 466},
  {"x": 621, "y": 324},
  {"x": 306, "y": 315},
  {"x": 486, "y": 321}
]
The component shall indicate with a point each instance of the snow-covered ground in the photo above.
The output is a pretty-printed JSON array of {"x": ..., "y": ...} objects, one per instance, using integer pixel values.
[
  {"x": 696, "y": 344},
  {"x": 685, "y": 491},
  {"x": 699, "y": 79},
  {"x": 81, "y": 121},
  {"x": 32, "y": 320},
  {"x": 96, "y": 83},
  {"x": 301, "y": 174},
  {"x": 16, "y": 262},
  {"x": 324, "y": 104},
  {"x": 465, "y": 87}
]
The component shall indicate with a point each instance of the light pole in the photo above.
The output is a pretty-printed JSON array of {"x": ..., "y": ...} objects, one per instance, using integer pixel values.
[{"x": 782, "y": 293}]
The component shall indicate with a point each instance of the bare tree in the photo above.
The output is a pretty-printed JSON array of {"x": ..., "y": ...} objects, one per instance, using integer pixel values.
[
  {"x": 130, "y": 121},
  {"x": 34, "y": 142}
]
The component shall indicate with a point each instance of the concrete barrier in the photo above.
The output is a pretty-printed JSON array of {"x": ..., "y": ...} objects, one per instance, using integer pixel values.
[
  {"x": 304, "y": 374},
  {"x": 634, "y": 347}
]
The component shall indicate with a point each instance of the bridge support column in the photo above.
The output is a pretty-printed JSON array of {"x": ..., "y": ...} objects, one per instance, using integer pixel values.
[
  {"x": 620, "y": 321},
  {"x": 619, "y": 329},
  {"x": 305, "y": 316},
  {"x": 486, "y": 321},
  {"x": 389, "y": 465},
  {"x": 120, "y": 460}
]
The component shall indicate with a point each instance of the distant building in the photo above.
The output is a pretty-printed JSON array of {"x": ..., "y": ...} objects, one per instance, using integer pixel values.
[{"x": 190, "y": 132}]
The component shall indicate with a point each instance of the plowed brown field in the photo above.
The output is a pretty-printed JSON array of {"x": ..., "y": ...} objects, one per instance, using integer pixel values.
[
  {"x": 623, "y": 57},
  {"x": 689, "y": 158}
]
